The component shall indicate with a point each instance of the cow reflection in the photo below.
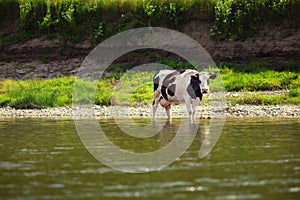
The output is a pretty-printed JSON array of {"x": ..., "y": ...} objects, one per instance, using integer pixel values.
[{"x": 200, "y": 132}]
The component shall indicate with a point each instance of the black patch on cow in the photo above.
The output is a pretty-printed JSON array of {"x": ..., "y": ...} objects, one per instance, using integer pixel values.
[
  {"x": 156, "y": 82},
  {"x": 170, "y": 78},
  {"x": 171, "y": 90},
  {"x": 193, "y": 88}
]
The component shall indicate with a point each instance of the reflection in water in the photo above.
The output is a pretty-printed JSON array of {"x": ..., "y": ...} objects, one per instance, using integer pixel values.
[
  {"x": 253, "y": 159},
  {"x": 95, "y": 139}
]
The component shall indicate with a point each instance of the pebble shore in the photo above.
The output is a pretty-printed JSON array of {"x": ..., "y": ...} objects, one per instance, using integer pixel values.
[
  {"x": 146, "y": 111},
  {"x": 203, "y": 111}
]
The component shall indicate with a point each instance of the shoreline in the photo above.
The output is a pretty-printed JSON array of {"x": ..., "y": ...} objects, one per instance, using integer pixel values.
[{"x": 203, "y": 112}]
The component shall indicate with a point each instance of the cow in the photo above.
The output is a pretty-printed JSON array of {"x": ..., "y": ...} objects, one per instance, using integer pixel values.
[{"x": 180, "y": 86}]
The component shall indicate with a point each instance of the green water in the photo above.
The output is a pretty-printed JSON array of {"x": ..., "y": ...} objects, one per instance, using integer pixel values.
[{"x": 253, "y": 159}]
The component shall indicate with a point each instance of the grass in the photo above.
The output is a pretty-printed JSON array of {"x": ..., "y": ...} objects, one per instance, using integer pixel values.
[
  {"x": 36, "y": 93},
  {"x": 263, "y": 81},
  {"x": 259, "y": 76},
  {"x": 292, "y": 98},
  {"x": 136, "y": 88},
  {"x": 77, "y": 20}
]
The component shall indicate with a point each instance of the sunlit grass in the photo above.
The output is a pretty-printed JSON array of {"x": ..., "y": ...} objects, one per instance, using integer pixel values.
[
  {"x": 36, "y": 93},
  {"x": 136, "y": 88},
  {"x": 269, "y": 80},
  {"x": 259, "y": 99}
]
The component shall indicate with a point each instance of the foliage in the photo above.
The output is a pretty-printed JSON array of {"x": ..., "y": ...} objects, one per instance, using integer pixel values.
[
  {"x": 99, "y": 32},
  {"x": 235, "y": 20},
  {"x": 174, "y": 12},
  {"x": 136, "y": 88},
  {"x": 259, "y": 99},
  {"x": 36, "y": 93},
  {"x": 76, "y": 20},
  {"x": 295, "y": 93},
  {"x": 269, "y": 80},
  {"x": 149, "y": 8},
  {"x": 104, "y": 91}
]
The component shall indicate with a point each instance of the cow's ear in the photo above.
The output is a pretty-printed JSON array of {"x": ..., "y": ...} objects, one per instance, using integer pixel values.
[{"x": 212, "y": 75}]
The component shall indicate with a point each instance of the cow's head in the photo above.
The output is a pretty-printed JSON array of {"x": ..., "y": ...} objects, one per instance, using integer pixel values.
[{"x": 204, "y": 80}]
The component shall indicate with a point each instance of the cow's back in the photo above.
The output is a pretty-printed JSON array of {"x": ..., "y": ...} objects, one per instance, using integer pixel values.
[{"x": 177, "y": 89}]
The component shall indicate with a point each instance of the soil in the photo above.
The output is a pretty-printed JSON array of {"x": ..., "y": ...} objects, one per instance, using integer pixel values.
[{"x": 45, "y": 58}]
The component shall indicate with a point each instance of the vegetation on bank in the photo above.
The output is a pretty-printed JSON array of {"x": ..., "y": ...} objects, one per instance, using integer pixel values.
[
  {"x": 95, "y": 20},
  {"x": 77, "y": 20},
  {"x": 136, "y": 88},
  {"x": 293, "y": 97}
]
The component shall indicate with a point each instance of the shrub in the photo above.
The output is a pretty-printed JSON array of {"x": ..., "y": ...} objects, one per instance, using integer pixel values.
[
  {"x": 77, "y": 20},
  {"x": 236, "y": 20}
]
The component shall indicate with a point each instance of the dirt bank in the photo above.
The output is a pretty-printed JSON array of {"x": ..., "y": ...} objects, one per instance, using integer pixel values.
[{"x": 45, "y": 58}]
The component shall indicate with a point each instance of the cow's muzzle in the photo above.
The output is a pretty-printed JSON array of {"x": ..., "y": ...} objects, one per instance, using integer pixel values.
[{"x": 204, "y": 91}]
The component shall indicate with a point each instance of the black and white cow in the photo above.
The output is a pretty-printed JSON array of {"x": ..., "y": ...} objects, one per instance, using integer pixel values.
[{"x": 180, "y": 86}]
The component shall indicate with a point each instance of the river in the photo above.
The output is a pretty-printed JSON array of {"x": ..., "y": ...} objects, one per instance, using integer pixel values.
[{"x": 255, "y": 158}]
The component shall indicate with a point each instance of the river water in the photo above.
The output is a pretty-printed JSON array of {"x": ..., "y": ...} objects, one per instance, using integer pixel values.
[{"x": 253, "y": 159}]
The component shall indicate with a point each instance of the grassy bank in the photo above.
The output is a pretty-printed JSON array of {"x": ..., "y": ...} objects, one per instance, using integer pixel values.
[
  {"x": 134, "y": 88},
  {"x": 76, "y": 20}
]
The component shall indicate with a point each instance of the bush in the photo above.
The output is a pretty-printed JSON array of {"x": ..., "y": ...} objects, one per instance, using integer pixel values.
[
  {"x": 76, "y": 20},
  {"x": 236, "y": 20},
  {"x": 294, "y": 93}
]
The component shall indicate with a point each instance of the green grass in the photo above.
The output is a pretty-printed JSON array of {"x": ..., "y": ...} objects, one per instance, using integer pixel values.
[
  {"x": 36, "y": 93},
  {"x": 77, "y": 20},
  {"x": 136, "y": 88},
  {"x": 50, "y": 93},
  {"x": 293, "y": 98},
  {"x": 270, "y": 80}
]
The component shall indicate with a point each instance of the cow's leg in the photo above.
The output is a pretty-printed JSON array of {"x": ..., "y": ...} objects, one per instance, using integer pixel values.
[
  {"x": 154, "y": 108},
  {"x": 189, "y": 109},
  {"x": 155, "y": 103},
  {"x": 168, "y": 110},
  {"x": 195, "y": 104},
  {"x": 193, "y": 110}
]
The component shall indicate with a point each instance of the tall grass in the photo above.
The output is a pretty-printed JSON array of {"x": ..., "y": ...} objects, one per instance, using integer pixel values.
[
  {"x": 136, "y": 88},
  {"x": 293, "y": 97},
  {"x": 270, "y": 80},
  {"x": 77, "y": 20},
  {"x": 36, "y": 93},
  {"x": 240, "y": 19}
]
